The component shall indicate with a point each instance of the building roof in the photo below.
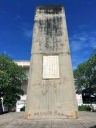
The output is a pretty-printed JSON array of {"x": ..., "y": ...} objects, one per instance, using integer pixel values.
[{"x": 23, "y": 63}]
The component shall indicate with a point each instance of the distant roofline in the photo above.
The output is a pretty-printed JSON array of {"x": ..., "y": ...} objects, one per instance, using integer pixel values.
[
  {"x": 21, "y": 60},
  {"x": 23, "y": 63}
]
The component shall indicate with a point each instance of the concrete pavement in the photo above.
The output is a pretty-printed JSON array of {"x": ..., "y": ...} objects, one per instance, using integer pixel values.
[{"x": 17, "y": 120}]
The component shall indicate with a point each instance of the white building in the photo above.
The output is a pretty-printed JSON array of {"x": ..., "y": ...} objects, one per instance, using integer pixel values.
[{"x": 22, "y": 102}]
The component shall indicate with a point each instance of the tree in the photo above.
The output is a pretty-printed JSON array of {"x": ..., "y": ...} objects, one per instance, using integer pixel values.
[
  {"x": 11, "y": 79},
  {"x": 85, "y": 77}
]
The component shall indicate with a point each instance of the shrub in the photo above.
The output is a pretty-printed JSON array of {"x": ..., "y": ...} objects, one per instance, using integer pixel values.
[
  {"x": 22, "y": 109},
  {"x": 84, "y": 108}
]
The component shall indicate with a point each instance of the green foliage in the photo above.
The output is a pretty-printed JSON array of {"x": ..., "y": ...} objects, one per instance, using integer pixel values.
[
  {"x": 85, "y": 76},
  {"x": 11, "y": 78},
  {"x": 22, "y": 109},
  {"x": 84, "y": 108}
]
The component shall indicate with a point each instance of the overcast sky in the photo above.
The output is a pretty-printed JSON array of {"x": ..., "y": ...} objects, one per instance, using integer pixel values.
[{"x": 16, "y": 23}]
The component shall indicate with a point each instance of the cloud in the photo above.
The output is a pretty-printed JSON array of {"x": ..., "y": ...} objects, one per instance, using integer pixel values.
[
  {"x": 26, "y": 29},
  {"x": 28, "y": 33},
  {"x": 17, "y": 17},
  {"x": 83, "y": 40},
  {"x": 93, "y": 45},
  {"x": 82, "y": 44},
  {"x": 78, "y": 41}
]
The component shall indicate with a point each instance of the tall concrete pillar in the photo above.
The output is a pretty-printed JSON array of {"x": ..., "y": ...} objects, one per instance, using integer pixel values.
[{"x": 51, "y": 92}]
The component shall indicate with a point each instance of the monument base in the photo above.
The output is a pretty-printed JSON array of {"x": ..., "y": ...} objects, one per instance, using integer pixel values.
[{"x": 50, "y": 115}]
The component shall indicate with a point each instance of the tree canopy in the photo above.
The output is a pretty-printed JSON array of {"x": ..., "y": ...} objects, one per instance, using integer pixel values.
[
  {"x": 85, "y": 76},
  {"x": 11, "y": 78}
]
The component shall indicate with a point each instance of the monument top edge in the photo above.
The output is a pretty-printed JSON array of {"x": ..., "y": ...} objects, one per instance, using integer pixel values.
[{"x": 49, "y": 7}]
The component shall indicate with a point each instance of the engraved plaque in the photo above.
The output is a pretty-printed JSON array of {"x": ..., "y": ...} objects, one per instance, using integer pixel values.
[{"x": 50, "y": 67}]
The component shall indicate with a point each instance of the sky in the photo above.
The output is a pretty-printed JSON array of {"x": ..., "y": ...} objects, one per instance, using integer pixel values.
[{"x": 17, "y": 20}]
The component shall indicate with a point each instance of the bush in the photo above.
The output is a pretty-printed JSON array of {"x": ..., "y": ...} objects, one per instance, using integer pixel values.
[
  {"x": 22, "y": 109},
  {"x": 84, "y": 108}
]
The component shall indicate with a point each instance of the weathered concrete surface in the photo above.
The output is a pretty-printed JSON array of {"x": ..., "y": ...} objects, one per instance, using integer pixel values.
[
  {"x": 16, "y": 120},
  {"x": 51, "y": 98}
]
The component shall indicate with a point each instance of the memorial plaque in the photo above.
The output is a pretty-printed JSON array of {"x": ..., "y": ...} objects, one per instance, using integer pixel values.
[{"x": 50, "y": 67}]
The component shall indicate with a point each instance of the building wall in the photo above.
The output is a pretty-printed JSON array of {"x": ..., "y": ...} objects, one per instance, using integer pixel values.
[
  {"x": 22, "y": 102},
  {"x": 25, "y": 65}
]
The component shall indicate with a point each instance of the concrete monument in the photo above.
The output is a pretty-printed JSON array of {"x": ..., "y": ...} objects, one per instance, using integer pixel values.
[{"x": 51, "y": 92}]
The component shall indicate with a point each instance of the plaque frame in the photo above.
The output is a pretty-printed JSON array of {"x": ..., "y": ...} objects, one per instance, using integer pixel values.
[{"x": 49, "y": 76}]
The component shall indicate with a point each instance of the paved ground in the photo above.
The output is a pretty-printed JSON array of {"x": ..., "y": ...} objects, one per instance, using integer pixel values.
[{"x": 16, "y": 120}]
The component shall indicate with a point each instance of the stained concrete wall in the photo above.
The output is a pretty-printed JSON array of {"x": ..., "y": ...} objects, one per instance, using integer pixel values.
[{"x": 51, "y": 98}]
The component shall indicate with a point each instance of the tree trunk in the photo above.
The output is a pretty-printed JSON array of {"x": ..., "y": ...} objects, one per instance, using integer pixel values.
[{"x": 1, "y": 109}]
